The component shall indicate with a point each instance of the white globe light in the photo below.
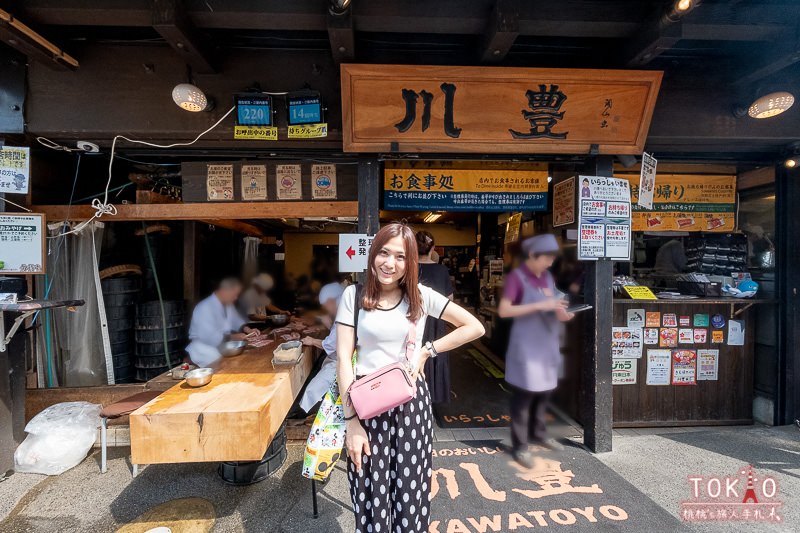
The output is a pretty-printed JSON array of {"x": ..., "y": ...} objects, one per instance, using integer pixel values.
[
  {"x": 189, "y": 97},
  {"x": 771, "y": 104}
]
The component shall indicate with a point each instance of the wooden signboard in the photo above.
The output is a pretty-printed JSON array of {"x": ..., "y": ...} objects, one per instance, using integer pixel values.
[{"x": 391, "y": 108}]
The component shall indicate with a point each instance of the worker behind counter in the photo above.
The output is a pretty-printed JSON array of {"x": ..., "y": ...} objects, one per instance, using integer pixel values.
[
  {"x": 214, "y": 320},
  {"x": 671, "y": 258},
  {"x": 255, "y": 301}
]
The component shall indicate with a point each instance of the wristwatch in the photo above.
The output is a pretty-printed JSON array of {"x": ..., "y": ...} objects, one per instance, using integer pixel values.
[{"x": 431, "y": 349}]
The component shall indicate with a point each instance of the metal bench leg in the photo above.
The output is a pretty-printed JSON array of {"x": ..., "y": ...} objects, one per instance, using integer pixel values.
[
  {"x": 314, "y": 497},
  {"x": 103, "y": 445}
]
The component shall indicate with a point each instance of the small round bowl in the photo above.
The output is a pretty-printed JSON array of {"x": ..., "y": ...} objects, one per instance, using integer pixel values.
[
  {"x": 231, "y": 348},
  {"x": 199, "y": 377},
  {"x": 278, "y": 320}
]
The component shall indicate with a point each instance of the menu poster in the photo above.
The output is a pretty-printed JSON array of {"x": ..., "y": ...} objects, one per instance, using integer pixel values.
[
  {"x": 623, "y": 371},
  {"x": 707, "y": 365},
  {"x": 685, "y": 321},
  {"x": 219, "y": 182},
  {"x": 652, "y": 320},
  {"x": 685, "y": 336},
  {"x": 717, "y": 337},
  {"x": 254, "y": 182},
  {"x": 604, "y": 218},
  {"x": 635, "y": 318},
  {"x": 658, "y": 367},
  {"x": 651, "y": 336},
  {"x": 668, "y": 337},
  {"x": 700, "y": 335},
  {"x": 564, "y": 202},
  {"x": 670, "y": 320},
  {"x": 684, "y": 367},
  {"x": 289, "y": 182},
  {"x": 736, "y": 332},
  {"x": 701, "y": 320},
  {"x": 626, "y": 343},
  {"x": 323, "y": 182}
]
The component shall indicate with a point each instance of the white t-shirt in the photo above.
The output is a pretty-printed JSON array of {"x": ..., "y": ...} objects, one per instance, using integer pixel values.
[{"x": 382, "y": 332}]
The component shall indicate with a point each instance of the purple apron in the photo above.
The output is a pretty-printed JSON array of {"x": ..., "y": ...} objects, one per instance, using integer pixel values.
[{"x": 534, "y": 356}]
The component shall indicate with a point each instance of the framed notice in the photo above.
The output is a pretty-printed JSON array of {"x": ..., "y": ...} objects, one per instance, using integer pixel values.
[
  {"x": 254, "y": 182},
  {"x": 658, "y": 367},
  {"x": 289, "y": 183},
  {"x": 623, "y": 371},
  {"x": 604, "y": 228},
  {"x": 564, "y": 202},
  {"x": 219, "y": 182},
  {"x": 323, "y": 182},
  {"x": 684, "y": 367},
  {"x": 22, "y": 243}
]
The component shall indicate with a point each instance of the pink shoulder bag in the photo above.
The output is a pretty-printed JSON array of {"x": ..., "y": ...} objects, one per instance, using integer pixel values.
[{"x": 387, "y": 387}]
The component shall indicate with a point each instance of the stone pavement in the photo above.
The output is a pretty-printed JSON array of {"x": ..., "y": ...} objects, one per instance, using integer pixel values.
[{"x": 657, "y": 463}]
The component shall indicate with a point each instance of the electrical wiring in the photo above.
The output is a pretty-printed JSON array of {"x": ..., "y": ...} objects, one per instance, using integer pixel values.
[{"x": 6, "y": 200}]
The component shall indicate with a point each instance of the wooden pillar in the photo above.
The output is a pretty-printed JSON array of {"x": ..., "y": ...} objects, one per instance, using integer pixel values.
[
  {"x": 191, "y": 266},
  {"x": 787, "y": 197},
  {"x": 369, "y": 195},
  {"x": 596, "y": 393}
]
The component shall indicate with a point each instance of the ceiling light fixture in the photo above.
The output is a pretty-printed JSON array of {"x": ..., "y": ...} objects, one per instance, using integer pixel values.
[
  {"x": 771, "y": 105},
  {"x": 791, "y": 162},
  {"x": 792, "y": 155},
  {"x": 683, "y": 5},
  {"x": 191, "y": 98},
  {"x": 678, "y": 9},
  {"x": 339, "y": 7},
  {"x": 432, "y": 217}
]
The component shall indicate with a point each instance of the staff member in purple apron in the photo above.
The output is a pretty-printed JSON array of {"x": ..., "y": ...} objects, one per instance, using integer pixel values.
[{"x": 534, "y": 355}]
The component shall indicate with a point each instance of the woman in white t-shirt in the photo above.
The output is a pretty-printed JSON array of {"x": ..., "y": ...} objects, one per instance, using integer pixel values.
[{"x": 389, "y": 456}]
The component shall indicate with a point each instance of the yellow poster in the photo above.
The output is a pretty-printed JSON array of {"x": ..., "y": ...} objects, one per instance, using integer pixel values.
[
  {"x": 256, "y": 133},
  {"x": 308, "y": 131}
]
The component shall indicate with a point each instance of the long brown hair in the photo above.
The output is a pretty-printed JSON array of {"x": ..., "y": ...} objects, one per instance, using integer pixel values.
[{"x": 409, "y": 283}]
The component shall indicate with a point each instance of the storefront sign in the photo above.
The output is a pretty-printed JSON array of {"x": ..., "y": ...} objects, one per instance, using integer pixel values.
[
  {"x": 707, "y": 365},
  {"x": 464, "y": 186},
  {"x": 686, "y": 202},
  {"x": 354, "y": 251},
  {"x": 658, "y": 367},
  {"x": 638, "y": 292},
  {"x": 323, "y": 182},
  {"x": 15, "y": 169},
  {"x": 684, "y": 367},
  {"x": 564, "y": 202},
  {"x": 255, "y": 133},
  {"x": 390, "y": 108},
  {"x": 254, "y": 182},
  {"x": 635, "y": 318},
  {"x": 623, "y": 371},
  {"x": 289, "y": 182},
  {"x": 605, "y": 219},
  {"x": 647, "y": 181},
  {"x": 219, "y": 182},
  {"x": 307, "y": 131},
  {"x": 22, "y": 243},
  {"x": 626, "y": 343},
  {"x": 512, "y": 228}
]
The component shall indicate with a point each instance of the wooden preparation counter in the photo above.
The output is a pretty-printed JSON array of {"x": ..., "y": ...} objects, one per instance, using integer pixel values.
[{"x": 233, "y": 418}]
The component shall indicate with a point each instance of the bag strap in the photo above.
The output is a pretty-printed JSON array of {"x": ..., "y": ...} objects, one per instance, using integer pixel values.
[{"x": 356, "y": 311}]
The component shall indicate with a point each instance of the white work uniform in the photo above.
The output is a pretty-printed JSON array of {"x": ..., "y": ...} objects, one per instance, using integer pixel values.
[
  {"x": 322, "y": 382},
  {"x": 211, "y": 321}
]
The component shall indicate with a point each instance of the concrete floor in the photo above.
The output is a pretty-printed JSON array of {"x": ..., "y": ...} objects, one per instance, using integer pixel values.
[{"x": 658, "y": 463}]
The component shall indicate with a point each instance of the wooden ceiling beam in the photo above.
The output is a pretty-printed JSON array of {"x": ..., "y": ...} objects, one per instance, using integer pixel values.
[
  {"x": 22, "y": 38},
  {"x": 342, "y": 37},
  {"x": 501, "y": 32},
  {"x": 172, "y": 23},
  {"x": 653, "y": 42},
  {"x": 768, "y": 63},
  {"x": 237, "y": 225}
]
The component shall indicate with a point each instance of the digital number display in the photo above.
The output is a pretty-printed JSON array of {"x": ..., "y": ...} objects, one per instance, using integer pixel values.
[
  {"x": 305, "y": 110},
  {"x": 254, "y": 111}
]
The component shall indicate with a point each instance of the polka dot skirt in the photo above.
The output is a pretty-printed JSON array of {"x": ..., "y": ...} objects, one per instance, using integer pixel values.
[{"x": 391, "y": 494}]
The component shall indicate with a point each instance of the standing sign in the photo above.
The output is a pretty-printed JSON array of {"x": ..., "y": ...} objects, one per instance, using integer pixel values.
[
  {"x": 22, "y": 243},
  {"x": 647, "y": 181},
  {"x": 15, "y": 169},
  {"x": 564, "y": 202},
  {"x": 219, "y": 182},
  {"x": 604, "y": 218},
  {"x": 323, "y": 182},
  {"x": 288, "y": 182},
  {"x": 354, "y": 251},
  {"x": 254, "y": 182}
]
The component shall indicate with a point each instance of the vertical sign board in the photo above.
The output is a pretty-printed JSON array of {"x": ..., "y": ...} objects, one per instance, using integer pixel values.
[
  {"x": 15, "y": 169},
  {"x": 22, "y": 243},
  {"x": 647, "y": 181},
  {"x": 604, "y": 229},
  {"x": 564, "y": 202},
  {"x": 354, "y": 251}
]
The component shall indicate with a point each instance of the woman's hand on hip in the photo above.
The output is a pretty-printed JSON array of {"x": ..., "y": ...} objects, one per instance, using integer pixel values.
[
  {"x": 356, "y": 442},
  {"x": 419, "y": 369}
]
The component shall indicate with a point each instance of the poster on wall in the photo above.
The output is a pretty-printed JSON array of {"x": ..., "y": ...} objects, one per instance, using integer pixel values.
[
  {"x": 626, "y": 343},
  {"x": 564, "y": 202},
  {"x": 668, "y": 337},
  {"x": 700, "y": 335},
  {"x": 323, "y": 182},
  {"x": 651, "y": 336},
  {"x": 653, "y": 319},
  {"x": 736, "y": 332},
  {"x": 685, "y": 336},
  {"x": 658, "y": 367},
  {"x": 254, "y": 182},
  {"x": 15, "y": 169},
  {"x": 647, "y": 181},
  {"x": 623, "y": 371},
  {"x": 219, "y": 182},
  {"x": 684, "y": 367},
  {"x": 288, "y": 182},
  {"x": 22, "y": 243},
  {"x": 604, "y": 218},
  {"x": 635, "y": 318},
  {"x": 707, "y": 365}
]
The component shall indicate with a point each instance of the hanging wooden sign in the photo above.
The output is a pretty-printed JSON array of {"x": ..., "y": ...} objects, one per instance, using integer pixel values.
[{"x": 496, "y": 110}]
